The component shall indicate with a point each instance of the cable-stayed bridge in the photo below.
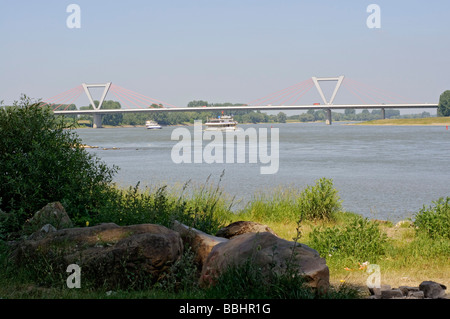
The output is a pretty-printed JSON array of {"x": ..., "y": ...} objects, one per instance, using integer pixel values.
[{"x": 286, "y": 99}]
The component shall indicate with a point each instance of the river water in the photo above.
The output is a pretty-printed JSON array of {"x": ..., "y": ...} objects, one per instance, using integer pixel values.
[{"x": 382, "y": 172}]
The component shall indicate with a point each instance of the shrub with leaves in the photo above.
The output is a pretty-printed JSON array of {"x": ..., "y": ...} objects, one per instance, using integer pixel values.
[
  {"x": 360, "y": 239},
  {"x": 42, "y": 161},
  {"x": 320, "y": 201},
  {"x": 434, "y": 221}
]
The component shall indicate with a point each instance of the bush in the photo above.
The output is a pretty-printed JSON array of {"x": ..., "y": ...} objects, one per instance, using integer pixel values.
[
  {"x": 42, "y": 161},
  {"x": 246, "y": 281},
  {"x": 434, "y": 221},
  {"x": 360, "y": 239},
  {"x": 280, "y": 205},
  {"x": 205, "y": 208},
  {"x": 444, "y": 104},
  {"x": 320, "y": 201}
]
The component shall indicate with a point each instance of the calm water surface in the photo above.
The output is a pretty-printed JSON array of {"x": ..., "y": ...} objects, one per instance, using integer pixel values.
[{"x": 383, "y": 172}]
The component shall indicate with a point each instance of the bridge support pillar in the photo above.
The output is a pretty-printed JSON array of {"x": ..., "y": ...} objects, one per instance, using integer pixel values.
[
  {"x": 328, "y": 121},
  {"x": 383, "y": 114},
  {"x": 97, "y": 121}
]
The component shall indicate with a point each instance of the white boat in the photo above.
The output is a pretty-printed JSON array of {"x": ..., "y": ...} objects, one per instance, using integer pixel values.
[
  {"x": 222, "y": 123},
  {"x": 152, "y": 125}
]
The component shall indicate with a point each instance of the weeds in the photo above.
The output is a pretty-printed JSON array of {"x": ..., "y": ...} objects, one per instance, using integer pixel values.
[
  {"x": 434, "y": 221},
  {"x": 360, "y": 239},
  {"x": 319, "y": 202}
]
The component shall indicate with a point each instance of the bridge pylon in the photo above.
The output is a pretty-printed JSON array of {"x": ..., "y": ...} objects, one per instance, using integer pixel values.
[
  {"x": 97, "y": 123},
  {"x": 316, "y": 81}
]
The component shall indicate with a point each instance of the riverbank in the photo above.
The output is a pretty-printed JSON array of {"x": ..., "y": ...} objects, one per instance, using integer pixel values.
[
  {"x": 404, "y": 256},
  {"x": 438, "y": 121}
]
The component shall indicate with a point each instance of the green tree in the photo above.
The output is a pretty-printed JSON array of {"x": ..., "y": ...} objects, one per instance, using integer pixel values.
[
  {"x": 444, "y": 104},
  {"x": 281, "y": 117},
  {"x": 350, "y": 114},
  {"x": 197, "y": 103},
  {"x": 306, "y": 117},
  {"x": 42, "y": 161},
  {"x": 111, "y": 119}
]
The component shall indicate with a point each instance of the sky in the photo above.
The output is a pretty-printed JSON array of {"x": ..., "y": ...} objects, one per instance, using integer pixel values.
[{"x": 234, "y": 51}]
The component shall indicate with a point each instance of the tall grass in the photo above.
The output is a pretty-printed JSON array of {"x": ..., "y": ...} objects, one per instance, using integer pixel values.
[
  {"x": 359, "y": 240},
  {"x": 280, "y": 205},
  {"x": 315, "y": 202},
  {"x": 204, "y": 207},
  {"x": 434, "y": 221}
]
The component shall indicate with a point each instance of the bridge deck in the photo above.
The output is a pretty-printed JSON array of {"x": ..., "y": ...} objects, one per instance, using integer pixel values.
[{"x": 255, "y": 107}]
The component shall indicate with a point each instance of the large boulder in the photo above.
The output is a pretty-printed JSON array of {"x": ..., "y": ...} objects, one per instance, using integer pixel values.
[
  {"x": 432, "y": 289},
  {"x": 108, "y": 254},
  {"x": 269, "y": 253},
  {"x": 201, "y": 243},
  {"x": 51, "y": 214},
  {"x": 242, "y": 227}
]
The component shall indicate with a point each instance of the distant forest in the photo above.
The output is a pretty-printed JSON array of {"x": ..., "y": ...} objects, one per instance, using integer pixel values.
[{"x": 244, "y": 116}]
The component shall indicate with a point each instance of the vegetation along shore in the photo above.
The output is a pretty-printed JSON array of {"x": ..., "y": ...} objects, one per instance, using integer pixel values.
[{"x": 43, "y": 162}]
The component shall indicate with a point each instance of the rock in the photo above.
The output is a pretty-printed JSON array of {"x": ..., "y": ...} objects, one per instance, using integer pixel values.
[
  {"x": 432, "y": 289},
  {"x": 269, "y": 253},
  {"x": 53, "y": 214},
  {"x": 391, "y": 293},
  {"x": 407, "y": 290},
  {"x": 242, "y": 227},
  {"x": 377, "y": 291},
  {"x": 41, "y": 233},
  {"x": 109, "y": 255},
  {"x": 415, "y": 295},
  {"x": 428, "y": 289},
  {"x": 200, "y": 242}
]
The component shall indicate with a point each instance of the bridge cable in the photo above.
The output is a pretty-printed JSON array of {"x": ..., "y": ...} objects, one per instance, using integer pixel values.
[
  {"x": 311, "y": 85},
  {"x": 354, "y": 93},
  {"x": 70, "y": 98},
  {"x": 125, "y": 96},
  {"x": 144, "y": 97},
  {"x": 290, "y": 94},
  {"x": 277, "y": 93},
  {"x": 58, "y": 97},
  {"x": 358, "y": 93},
  {"x": 396, "y": 97}
]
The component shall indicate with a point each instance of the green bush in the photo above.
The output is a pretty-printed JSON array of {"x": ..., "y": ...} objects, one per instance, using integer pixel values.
[
  {"x": 42, "y": 161},
  {"x": 320, "y": 201},
  {"x": 280, "y": 205},
  {"x": 203, "y": 208},
  {"x": 434, "y": 221},
  {"x": 359, "y": 239},
  {"x": 317, "y": 202},
  {"x": 246, "y": 281}
]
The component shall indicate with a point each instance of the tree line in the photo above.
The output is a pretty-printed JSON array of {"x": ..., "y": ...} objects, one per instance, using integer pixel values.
[
  {"x": 241, "y": 116},
  {"x": 175, "y": 118},
  {"x": 244, "y": 116}
]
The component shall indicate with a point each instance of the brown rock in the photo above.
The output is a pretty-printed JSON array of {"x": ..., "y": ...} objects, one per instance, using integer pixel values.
[
  {"x": 200, "y": 242},
  {"x": 242, "y": 227},
  {"x": 391, "y": 293},
  {"x": 107, "y": 253},
  {"x": 432, "y": 289},
  {"x": 53, "y": 214},
  {"x": 269, "y": 253}
]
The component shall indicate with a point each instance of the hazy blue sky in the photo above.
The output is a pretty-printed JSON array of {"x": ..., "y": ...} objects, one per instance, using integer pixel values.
[{"x": 223, "y": 50}]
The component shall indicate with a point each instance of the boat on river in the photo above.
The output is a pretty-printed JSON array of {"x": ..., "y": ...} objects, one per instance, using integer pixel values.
[
  {"x": 152, "y": 125},
  {"x": 221, "y": 123}
]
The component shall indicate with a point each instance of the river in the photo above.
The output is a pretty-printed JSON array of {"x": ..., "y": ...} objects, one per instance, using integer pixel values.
[{"x": 381, "y": 172}]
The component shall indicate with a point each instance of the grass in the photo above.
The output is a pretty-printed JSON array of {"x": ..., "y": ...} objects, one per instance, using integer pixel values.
[
  {"x": 406, "y": 254},
  {"x": 420, "y": 121}
]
